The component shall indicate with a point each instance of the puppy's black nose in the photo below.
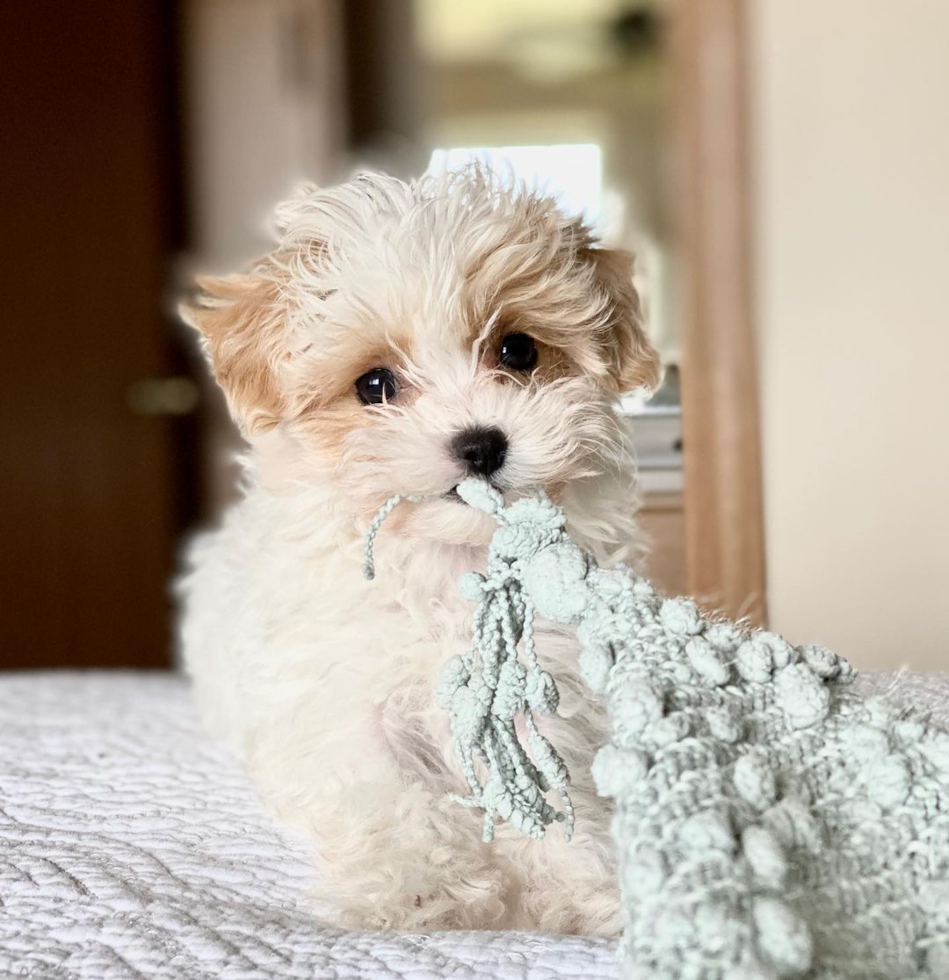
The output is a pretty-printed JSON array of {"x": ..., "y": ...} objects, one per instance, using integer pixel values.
[{"x": 481, "y": 448}]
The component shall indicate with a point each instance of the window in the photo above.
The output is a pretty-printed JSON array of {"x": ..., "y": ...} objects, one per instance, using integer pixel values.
[{"x": 570, "y": 172}]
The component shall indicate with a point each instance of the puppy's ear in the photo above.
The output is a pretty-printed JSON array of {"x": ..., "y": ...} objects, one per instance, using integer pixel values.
[
  {"x": 241, "y": 320},
  {"x": 633, "y": 361}
]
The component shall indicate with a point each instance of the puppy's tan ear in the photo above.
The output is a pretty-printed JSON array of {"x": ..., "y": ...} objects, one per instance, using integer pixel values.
[
  {"x": 634, "y": 362},
  {"x": 241, "y": 319}
]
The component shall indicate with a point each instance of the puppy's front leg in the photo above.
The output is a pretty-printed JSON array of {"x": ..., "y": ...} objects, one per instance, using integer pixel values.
[
  {"x": 406, "y": 858},
  {"x": 393, "y": 851}
]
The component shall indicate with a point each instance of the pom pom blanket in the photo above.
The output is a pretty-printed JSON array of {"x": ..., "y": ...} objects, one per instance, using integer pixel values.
[{"x": 769, "y": 822}]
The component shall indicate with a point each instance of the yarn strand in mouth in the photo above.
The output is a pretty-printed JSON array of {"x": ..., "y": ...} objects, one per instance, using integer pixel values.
[{"x": 369, "y": 562}]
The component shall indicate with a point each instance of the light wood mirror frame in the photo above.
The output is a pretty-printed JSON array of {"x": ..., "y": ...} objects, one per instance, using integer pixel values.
[{"x": 721, "y": 437}]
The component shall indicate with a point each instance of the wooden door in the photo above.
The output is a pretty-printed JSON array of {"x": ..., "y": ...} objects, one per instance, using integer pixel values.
[{"x": 92, "y": 495}]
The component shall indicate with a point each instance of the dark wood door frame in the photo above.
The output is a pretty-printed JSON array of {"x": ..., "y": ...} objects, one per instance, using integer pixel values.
[{"x": 723, "y": 498}]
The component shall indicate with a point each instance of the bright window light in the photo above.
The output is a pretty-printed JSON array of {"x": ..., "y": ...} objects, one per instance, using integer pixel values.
[{"x": 570, "y": 172}]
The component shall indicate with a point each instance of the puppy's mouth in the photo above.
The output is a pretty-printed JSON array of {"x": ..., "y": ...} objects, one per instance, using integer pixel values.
[{"x": 453, "y": 494}]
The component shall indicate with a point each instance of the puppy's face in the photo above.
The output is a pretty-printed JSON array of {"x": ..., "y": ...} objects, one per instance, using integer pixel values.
[{"x": 403, "y": 336}]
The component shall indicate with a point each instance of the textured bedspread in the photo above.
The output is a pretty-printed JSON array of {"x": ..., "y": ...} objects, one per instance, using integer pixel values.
[{"x": 132, "y": 846}]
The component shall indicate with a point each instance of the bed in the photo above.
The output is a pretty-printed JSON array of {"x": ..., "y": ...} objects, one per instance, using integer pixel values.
[{"x": 133, "y": 846}]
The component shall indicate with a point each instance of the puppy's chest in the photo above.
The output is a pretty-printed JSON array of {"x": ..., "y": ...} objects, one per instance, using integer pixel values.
[
  {"x": 391, "y": 625},
  {"x": 411, "y": 728}
]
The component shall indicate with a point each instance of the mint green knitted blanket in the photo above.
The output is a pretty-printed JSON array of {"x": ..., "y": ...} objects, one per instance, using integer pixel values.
[{"x": 769, "y": 822}]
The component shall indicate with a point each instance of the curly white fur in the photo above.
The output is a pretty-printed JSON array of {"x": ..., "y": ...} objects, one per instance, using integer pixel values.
[{"x": 324, "y": 682}]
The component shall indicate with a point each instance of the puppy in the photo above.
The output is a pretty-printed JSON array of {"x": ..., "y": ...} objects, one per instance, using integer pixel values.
[{"x": 400, "y": 337}]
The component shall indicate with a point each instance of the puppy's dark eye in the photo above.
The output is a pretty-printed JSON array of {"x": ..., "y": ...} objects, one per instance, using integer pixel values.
[
  {"x": 376, "y": 386},
  {"x": 518, "y": 352}
]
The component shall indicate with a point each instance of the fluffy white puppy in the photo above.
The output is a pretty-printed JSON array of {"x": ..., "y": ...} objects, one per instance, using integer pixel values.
[{"x": 399, "y": 337}]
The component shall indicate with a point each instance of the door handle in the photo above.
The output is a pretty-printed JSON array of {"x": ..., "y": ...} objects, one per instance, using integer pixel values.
[{"x": 175, "y": 395}]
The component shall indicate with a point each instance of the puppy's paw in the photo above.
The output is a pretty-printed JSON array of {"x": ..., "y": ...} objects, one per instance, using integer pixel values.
[
  {"x": 461, "y": 900},
  {"x": 573, "y": 910}
]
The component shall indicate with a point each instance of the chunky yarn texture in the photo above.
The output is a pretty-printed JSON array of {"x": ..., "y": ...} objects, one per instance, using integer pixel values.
[
  {"x": 769, "y": 822},
  {"x": 487, "y": 688}
]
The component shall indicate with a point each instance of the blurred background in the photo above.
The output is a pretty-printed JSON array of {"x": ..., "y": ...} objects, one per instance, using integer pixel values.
[{"x": 781, "y": 170}]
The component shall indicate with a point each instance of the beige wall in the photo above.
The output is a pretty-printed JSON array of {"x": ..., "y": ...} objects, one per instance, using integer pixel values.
[
  {"x": 264, "y": 104},
  {"x": 264, "y": 97},
  {"x": 852, "y": 225}
]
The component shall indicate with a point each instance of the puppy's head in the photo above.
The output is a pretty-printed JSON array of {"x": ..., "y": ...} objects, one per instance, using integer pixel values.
[{"x": 402, "y": 336}]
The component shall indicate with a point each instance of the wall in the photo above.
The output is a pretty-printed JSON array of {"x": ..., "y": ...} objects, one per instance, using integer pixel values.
[
  {"x": 263, "y": 87},
  {"x": 852, "y": 198},
  {"x": 263, "y": 90}
]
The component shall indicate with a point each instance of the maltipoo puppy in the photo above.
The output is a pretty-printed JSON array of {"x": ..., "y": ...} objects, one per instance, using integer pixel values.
[{"x": 400, "y": 337}]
